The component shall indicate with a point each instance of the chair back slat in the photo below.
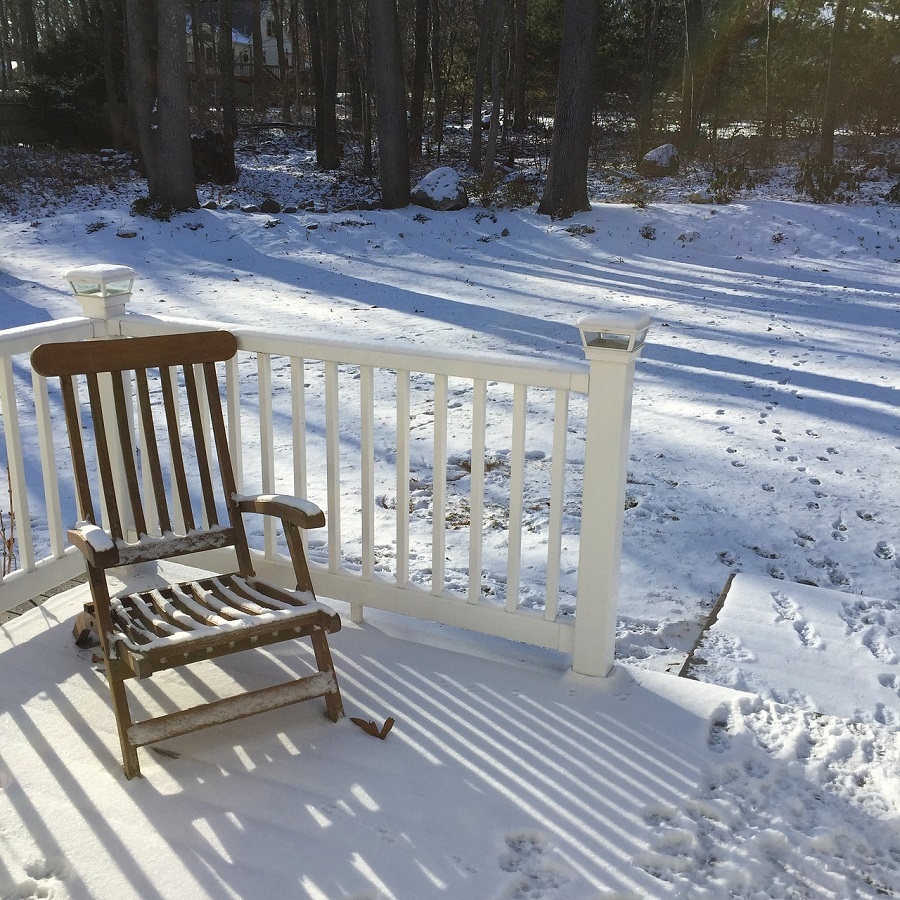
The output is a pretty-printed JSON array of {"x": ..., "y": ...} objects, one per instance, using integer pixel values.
[
  {"x": 199, "y": 429},
  {"x": 107, "y": 482},
  {"x": 151, "y": 449},
  {"x": 73, "y": 426},
  {"x": 173, "y": 429},
  {"x": 124, "y": 424},
  {"x": 223, "y": 454}
]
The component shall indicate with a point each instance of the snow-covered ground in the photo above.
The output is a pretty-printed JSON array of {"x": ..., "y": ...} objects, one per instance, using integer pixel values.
[{"x": 765, "y": 441}]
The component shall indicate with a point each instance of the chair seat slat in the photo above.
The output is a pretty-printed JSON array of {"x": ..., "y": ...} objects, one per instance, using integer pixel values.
[{"x": 175, "y": 630}]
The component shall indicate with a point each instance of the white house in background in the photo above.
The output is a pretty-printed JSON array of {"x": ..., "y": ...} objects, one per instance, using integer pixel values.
[{"x": 241, "y": 36}]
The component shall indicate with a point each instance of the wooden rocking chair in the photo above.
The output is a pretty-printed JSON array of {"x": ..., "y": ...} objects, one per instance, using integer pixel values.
[{"x": 151, "y": 630}]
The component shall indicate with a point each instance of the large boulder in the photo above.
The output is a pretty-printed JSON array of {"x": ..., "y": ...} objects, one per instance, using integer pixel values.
[
  {"x": 659, "y": 162},
  {"x": 441, "y": 190}
]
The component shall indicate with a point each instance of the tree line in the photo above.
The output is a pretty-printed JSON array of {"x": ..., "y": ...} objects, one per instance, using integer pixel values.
[{"x": 397, "y": 72}]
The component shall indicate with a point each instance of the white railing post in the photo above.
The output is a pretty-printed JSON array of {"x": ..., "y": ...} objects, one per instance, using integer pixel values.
[{"x": 612, "y": 342}]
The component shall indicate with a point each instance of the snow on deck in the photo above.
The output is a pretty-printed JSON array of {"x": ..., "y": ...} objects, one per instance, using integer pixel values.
[
  {"x": 822, "y": 650},
  {"x": 506, "y": 775}
]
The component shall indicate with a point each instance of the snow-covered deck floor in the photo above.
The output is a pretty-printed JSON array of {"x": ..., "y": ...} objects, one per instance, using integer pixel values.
[{"x": 505, "y": 776}]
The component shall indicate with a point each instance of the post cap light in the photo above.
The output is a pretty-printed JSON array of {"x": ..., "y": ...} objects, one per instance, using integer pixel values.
[
  {"x": 103, "y": 290},
  {"x": 620, "y": 330},
  {"x": 101, "y": 280}
]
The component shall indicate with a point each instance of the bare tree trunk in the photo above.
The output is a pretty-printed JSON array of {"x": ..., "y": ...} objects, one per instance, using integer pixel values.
[
  {"x": 198, "y": 46},
  {"x": 648, "y": 65},
  {"x": 832, "y": 86},
  {"x": 330, "y": 50},
  {"x": 259, "y": 62},
  {"x": 311, "y": 11},
  {"x": 294, "y": 31},
  {"x": 490, "y": 153},
  {"x": 5, "y": 56},
  {"x": 767, "y": 114},
  {"x": 226, "y": 87},
  {"x": 565, "y": 191},
  {"x": 691, "y": 79},
  {"x": 437, "y": 79},
  {"x": 114, "y": 102},
  {"x": 390, "y": 104},
  {"x": 321, "y": 22},
  {"x": 141, "y": 31},
  {"x": 517, "y": 91},
  {"x": 419, "y": 73},
  {"x": 278, "y": 16},
  {"x": 27, "y": 34},
  {"x": 177, "y": 189},
  {"x": 486, "y": 22}
]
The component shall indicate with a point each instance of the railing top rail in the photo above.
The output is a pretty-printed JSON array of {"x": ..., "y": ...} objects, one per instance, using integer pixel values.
[
  {"x": 515, "y": 370},
  {"x": 26, "y": 337}
]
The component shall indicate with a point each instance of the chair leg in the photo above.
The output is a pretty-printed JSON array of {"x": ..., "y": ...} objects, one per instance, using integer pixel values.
[
  {"x": 334, "y": 706},
  {"x": 123, "y": 718}
]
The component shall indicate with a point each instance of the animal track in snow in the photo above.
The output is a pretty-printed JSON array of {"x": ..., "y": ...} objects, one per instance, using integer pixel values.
[
  {"x": 44, "y": 877},
  {"x": 884, "y": 550},
  {"x": 526, "y": 857},
  {"x": 765, "y": 554},
  {"x": 840, "y": 529}
]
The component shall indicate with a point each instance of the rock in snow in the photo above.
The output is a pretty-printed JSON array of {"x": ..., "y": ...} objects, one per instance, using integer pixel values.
[
  {"x": 442, "y": 190},
  {"x": 659, "y": 162}
]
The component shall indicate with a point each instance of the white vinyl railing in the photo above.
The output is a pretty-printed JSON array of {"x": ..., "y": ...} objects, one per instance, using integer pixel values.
[{"x": 485, "y": 492}]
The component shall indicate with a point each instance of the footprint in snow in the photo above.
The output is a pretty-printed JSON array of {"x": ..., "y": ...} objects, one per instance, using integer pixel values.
[
  {"x": 727, "y": 558},
  {"x": 786, "y": 610},
  {"x": 878, "y": 645}
]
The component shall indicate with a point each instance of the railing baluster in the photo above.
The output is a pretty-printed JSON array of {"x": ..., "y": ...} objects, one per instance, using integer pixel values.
[
  {"x": 516, "y": 488},
  {"x": 367, "y": 468},
  {"x": 48, "y": 464},
  {"x": 233, "y": 400},
  {"x": 476, "y": 487},
  {"x": 16, "y": 462},
  {"x": 333, "y": 465},
  {"x": 266, "y": 444},
  {"x": 557, "y": 500},
  {"x": 439, "y": 487},
  {"x": 298, "y": 426},
  {"x": 402, "y": 478}
]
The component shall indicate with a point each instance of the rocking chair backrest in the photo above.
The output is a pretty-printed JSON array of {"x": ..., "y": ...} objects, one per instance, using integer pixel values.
[{"x": 145, "y": 492}]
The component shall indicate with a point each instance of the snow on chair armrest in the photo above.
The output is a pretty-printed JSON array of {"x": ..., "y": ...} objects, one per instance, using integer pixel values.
[
  {"x": 297, "y": 510},
  {"x": 96, "y": 545}
]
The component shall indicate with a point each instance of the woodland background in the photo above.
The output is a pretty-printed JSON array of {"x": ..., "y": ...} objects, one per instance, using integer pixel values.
[{"x": 390, "y": 88}]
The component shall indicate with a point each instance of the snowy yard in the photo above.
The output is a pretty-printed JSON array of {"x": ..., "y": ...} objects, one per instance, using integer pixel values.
[{"x": 765, "y": 441}]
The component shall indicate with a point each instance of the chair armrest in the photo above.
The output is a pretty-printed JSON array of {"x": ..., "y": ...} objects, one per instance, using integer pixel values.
[
  {"x": 95, "y": 544},
  {"x": 296, "y": 510}
]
